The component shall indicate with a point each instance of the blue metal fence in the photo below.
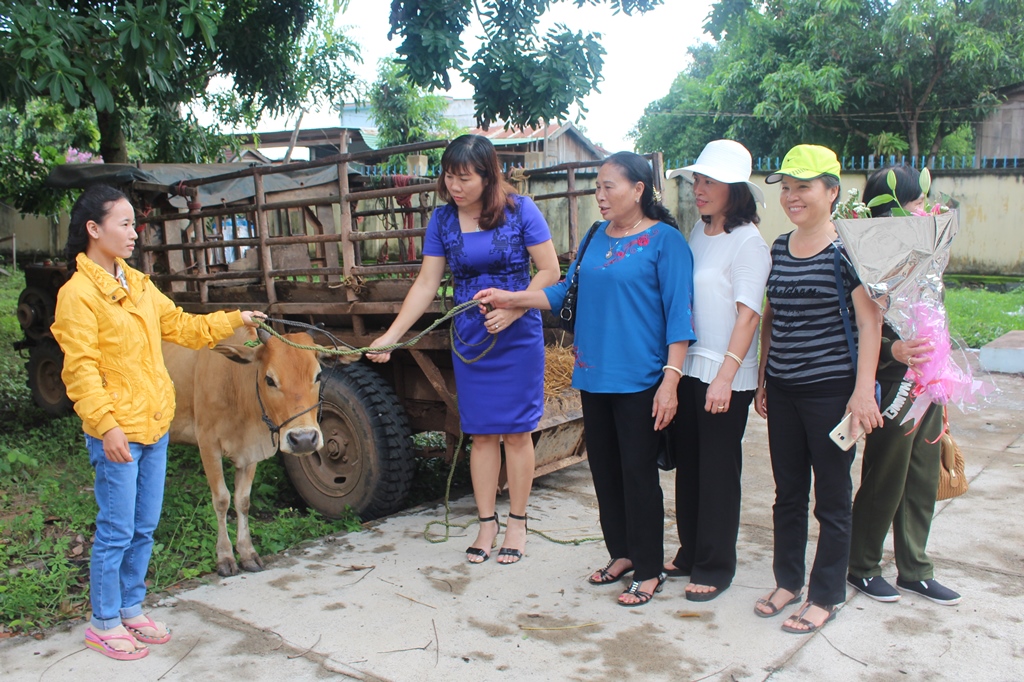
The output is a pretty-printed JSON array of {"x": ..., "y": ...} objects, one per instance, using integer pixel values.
[
  {"x": 432, "y": 171},
  {"x": 767, "y": 164}
]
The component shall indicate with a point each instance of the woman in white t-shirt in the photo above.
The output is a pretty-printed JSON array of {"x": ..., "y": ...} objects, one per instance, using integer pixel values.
[{"x": 731, "y": 266}]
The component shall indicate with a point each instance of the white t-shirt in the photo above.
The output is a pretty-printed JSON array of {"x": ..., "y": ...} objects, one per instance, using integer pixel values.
[{"x": 728, "y": 268}]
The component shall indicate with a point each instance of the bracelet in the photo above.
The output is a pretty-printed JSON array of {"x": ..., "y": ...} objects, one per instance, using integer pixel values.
[
  {"x": 674, "y": 369},
  {"x": 738, "y": 359}
]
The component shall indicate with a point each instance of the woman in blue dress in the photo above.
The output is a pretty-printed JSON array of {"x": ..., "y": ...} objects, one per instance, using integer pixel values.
[
  {"x": 633, "y": 328},
  {"x": 487, "y": 235}
]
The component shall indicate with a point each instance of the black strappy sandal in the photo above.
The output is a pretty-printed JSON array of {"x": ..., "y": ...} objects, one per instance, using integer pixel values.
[
  {"x": 476, "y": 551},
  {"x": 607, "y": 577},
  {"x": 642, "y": 597},
  {"x": 505, "y": 551}
]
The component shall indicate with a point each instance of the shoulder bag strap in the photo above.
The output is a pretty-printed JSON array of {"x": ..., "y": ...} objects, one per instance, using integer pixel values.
[
  {"x": 583, "y": 250},
  {"x": 844, "y": 312}
]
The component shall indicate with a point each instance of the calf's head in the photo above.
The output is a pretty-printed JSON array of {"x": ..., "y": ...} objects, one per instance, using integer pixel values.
[{"x": 288, "y": 385}]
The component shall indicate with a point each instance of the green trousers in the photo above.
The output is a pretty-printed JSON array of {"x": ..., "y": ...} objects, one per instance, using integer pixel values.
[{"x": 899, "y": 482}]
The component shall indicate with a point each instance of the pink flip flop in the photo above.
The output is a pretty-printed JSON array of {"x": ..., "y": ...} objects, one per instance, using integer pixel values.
[
  {"x": 143, "y": 637},
  {"x": 99, "y": 643}
]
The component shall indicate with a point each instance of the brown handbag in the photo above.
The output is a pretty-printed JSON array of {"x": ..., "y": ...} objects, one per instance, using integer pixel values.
[{"x": 952, "y": 481}]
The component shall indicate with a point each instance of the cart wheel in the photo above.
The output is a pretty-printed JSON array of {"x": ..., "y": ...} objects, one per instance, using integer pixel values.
[
  {"x": 367, "y": 461},
  {"x": 45, "y": 362},
  {"x": 35, "y": 312}
]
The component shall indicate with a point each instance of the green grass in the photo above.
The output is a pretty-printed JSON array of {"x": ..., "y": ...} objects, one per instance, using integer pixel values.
[
  {"x": 47, "y": 508},
  {"x": 979, "y": 316}
]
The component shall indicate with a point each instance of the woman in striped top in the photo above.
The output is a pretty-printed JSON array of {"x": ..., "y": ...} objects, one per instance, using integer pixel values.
[{"x": 807, "y": 383}]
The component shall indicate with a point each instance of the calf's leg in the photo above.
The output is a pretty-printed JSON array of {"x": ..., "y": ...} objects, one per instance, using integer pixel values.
[
  {"x": 251, "y": 561},
  {"x": 214, "y": 469}
]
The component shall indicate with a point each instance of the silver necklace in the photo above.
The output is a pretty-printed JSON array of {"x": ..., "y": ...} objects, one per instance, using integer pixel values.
[{"x": 615, "y": 247}]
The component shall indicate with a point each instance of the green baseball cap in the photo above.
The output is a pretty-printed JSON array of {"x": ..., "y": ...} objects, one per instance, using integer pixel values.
[{"x": 806, "y": 162}]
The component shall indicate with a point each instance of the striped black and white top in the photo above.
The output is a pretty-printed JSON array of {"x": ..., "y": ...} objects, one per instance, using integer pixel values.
[{"x": 808, "y": 343}]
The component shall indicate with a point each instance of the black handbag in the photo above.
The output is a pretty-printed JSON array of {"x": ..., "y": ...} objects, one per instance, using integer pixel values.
[{"x": 567, "y": 315}]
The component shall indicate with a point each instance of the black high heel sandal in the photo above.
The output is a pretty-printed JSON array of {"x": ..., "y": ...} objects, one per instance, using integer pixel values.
[
  {"x": 476, "y": 551},
  {"x": 505, "y": 551}
]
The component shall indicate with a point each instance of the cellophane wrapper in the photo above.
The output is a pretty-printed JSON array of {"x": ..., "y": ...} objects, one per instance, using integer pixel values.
[{"x": 900, "y": 261}]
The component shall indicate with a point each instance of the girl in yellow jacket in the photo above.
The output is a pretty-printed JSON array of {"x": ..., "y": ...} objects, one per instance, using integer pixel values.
[{"x": 110, "y": 320}]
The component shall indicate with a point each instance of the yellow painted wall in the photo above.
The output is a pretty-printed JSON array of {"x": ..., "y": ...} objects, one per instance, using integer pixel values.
[{"x": 34, "y": 234}]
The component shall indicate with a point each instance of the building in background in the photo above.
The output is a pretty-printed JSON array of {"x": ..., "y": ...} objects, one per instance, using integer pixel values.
[{"x": 1001, "y": 134}]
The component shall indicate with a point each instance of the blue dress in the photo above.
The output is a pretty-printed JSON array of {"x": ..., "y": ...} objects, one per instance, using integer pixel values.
[{"x": 504, "y": 391}]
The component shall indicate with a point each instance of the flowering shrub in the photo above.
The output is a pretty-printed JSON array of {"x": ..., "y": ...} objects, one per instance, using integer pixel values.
[
  {"x": 75, "y": 156},
  {"x": 24, "y": 172}
]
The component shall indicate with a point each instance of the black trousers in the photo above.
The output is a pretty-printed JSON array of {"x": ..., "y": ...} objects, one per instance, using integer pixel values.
[
  {"x": 709, "y": 460},
  {"x": 799, "y": 421},
  {"x": 622, "y": 449}
]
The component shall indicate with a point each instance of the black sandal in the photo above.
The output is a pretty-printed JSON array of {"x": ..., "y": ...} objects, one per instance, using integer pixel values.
[
  {"x": 643, "y": 597},
  {"x": 505, "y": 551},
  {"x": 608, "y": 577},
  {"x": 476, "y": 551},
  {"x": 774, "y": 610},
  {"x": 808, "y": 626}
]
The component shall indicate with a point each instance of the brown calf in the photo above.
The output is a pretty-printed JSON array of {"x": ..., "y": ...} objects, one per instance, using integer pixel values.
[{"x": 219, "y": 409}]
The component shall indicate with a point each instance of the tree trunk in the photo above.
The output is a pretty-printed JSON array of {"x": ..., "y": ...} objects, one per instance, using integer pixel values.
[
  {"x": 113, "y": 148},
  {"x": 912, "y": 140}
]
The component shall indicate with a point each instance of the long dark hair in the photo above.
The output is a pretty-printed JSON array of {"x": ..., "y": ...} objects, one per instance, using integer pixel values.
[
  {"x": 475, "y": 152},
  {"x": 637, "y": 169},
  {"x": 742, "y": 208},
  {"x": 93, "y": 204},
  {"x": 908, "y": 188}
]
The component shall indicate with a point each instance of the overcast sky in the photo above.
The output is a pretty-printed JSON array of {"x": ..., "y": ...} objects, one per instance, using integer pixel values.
[{"x": 644, "y": 54}]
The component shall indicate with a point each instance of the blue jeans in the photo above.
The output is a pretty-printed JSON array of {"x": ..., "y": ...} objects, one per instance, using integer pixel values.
[{"x": 130, "y": 497}]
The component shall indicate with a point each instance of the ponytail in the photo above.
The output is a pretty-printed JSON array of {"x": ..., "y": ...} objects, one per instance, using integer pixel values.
[{"x": 93, "y": 204}]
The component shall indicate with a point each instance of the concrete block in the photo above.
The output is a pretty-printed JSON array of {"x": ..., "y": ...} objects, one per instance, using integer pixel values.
[
  {"x": 416, "y": 164},
  {"x": 1005, "y": 354}
]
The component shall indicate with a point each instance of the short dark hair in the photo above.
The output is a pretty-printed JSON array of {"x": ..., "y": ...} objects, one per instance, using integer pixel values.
[
  {"x": 908, "y": 188},
  {"x": 637, "y": 169},
  {"x": 742, "y": 208},
  {"x": 477, "y": 153},
  {"x": 830, "y": 182},
  {"x": 93, "y": 204}
]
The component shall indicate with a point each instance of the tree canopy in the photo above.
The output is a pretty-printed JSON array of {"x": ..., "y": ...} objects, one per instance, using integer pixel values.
[
  {"x": 860, "y": 76},
  {"x": 517, "y": 76},
  {"x": 405, "y": 113},
  {"x": 115, "y": 55}
]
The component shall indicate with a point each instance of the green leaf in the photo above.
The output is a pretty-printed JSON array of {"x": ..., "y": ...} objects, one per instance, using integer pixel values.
[
  {"x": 881, "y": 199},
  {"x": 900, "y": 213},
  {"x": 926, "y": 180},
  {"x": 890, "y": 180}
]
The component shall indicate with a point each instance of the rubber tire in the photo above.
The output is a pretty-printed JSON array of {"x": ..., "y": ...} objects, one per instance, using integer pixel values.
[
  {"x": 367, "y": 462},
  {"x": 45, "y": 362},
  {"x": 42, "y": 305}
]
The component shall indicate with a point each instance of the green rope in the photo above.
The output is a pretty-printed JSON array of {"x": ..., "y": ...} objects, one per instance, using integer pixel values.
[
  {"x": 447, "y": 524},
  {"x": 449, "y": 314},
  {"x": 461, "y": 308}
]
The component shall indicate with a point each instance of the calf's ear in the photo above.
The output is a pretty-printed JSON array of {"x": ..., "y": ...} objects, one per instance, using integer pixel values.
[{"x": 239, "y": 353}]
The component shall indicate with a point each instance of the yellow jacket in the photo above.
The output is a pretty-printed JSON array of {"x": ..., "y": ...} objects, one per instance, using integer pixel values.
[{"x": 113, "y": 363}]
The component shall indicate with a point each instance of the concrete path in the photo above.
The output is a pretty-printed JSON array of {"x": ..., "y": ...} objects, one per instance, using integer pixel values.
[{"x": 384, "y": 604}]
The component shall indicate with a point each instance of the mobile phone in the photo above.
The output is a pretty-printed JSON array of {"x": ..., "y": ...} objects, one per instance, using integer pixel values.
[{"x": 843, "y": 434}]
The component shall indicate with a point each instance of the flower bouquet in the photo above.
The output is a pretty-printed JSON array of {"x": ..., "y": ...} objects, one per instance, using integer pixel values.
[{"x": 900, "y": 260}]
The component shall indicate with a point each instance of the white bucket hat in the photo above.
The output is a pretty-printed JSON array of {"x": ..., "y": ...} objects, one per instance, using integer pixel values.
[{"x": 725, "y": 161}]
